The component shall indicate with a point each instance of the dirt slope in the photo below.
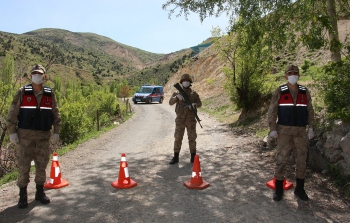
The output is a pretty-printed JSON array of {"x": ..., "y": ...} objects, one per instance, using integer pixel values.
[{"x": 206, "y": 72}]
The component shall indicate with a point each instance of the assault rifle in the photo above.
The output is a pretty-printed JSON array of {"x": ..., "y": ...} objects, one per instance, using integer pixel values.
[{"x": 188, "y": 103}]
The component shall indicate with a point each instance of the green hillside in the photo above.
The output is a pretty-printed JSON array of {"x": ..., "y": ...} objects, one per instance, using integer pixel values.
[{"x": 87, "y": 57}]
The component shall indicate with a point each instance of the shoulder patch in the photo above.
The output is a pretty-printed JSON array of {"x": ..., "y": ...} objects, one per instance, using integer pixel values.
[
  {"x": 47, "y": 91},
  {"x": 302, "y": 89},
  {"x": 284, "y": 89},
  {"x": 28, "y": 89}
]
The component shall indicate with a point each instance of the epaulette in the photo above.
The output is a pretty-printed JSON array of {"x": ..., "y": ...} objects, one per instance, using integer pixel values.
[
  {"x": 47, "y": 91},
  {"x": 302, "y": 89},
  {"x": 28, "y": 89},
  {"x": 284, "y": 89}
]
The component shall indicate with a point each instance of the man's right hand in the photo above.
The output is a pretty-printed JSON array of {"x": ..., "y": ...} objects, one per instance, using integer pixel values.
[
  {"x": 273, "y": 134},
  {"x": 311, "y": 133},
  {"x": 14, "y": 138},
  {"x": 180, "y": 97}
]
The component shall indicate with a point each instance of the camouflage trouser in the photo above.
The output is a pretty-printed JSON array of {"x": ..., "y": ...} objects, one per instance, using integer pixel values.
[
  {"x": 285, "y": 144},
  {"x": 28, "y": 150},
  {"x": 190, "y": 125}
]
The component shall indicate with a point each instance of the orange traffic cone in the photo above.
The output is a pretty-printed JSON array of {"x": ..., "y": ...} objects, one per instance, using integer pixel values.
[
  {"x": 56, "y": 180},
  {"x": 196, "y": 181},
  {"x": 124, "y": 180},
  {"x": 272, "y": 184}
]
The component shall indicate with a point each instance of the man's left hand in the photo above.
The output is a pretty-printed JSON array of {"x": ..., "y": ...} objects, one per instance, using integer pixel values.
[
  {"x": 55, "y": 138},
  {"x": 194, "y": 105}
]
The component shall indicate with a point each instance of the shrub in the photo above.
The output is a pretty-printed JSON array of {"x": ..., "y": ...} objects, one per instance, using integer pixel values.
[
  {"x": 75, "y": 122},
  {"x": 306, "y": 65},
  {"x": 335, "y": 85}
]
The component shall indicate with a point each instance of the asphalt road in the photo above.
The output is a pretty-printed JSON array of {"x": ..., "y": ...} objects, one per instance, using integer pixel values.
[{"x": 237, "y": 177}]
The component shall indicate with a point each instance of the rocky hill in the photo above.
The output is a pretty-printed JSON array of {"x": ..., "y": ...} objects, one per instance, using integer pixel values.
[{"x": 209, "y": 79}]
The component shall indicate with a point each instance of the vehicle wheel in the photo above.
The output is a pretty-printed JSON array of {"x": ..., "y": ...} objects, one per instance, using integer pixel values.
[
  {"x": 161, "y": 101},
  {"x": 135, "y": 102},
  {"x": 149, "y": 101}
]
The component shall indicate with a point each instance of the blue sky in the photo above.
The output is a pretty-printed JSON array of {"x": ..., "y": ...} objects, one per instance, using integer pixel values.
[{"x": 139, "y": 23}]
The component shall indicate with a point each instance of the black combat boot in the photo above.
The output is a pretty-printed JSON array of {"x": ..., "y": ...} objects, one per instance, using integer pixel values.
[
  {"x": 40, "y": 195},
  {"x": 192, "y": 157},
  {"x": 299, "y": 190},
  {"x": 175, "y": 159},
  {"x": 23, "y": 198},
  {"x": 277, "y": 196}
]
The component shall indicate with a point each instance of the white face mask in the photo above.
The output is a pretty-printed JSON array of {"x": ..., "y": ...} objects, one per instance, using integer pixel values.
[
  {"x": 293, "y": 79},
  {"x": 186, "y": 84},
  {"x": 37, "y": 79}
]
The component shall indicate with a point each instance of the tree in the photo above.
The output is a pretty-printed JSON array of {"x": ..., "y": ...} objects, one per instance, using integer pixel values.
[
  {"x": 7, "y": 72},
  {"x": 113, "y": 87},
  {"x": 283, "y": 19},
  {"x": 124, "y": 91},
  {"x": 53, "y": 55},
  {"x": 6, "y": 94},
  {"x": 247, "y": 67}
]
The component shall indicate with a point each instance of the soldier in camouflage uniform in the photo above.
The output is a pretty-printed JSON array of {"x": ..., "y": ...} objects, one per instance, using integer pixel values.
[
  {"x": 31, "y": 116},
  {"x": 291, "y": 106},
  {"x": 185, "y": 118}
]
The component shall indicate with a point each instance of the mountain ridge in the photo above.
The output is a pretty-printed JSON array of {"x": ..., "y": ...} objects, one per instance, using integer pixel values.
[{"x": 86, "y": 57}]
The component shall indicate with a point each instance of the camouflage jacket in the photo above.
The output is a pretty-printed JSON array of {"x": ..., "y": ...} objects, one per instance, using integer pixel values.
[{"x": 192, "y": 96}]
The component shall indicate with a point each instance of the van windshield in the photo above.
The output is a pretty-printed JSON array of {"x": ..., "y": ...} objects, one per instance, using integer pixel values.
[{"x": 145, "y": 90}]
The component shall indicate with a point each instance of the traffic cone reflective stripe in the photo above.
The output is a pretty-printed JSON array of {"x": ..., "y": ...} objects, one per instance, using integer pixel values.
[
  {"x": 195, "y": 174},
  {"x": 196, "y": 181},
  {"x": 124, "y": 180},
  {"x": 286, "y": 184},
  {"x": 57, "y": 171},
  {"x": 126, "y": 172},
  {"x": 55, "y": 180},
  {"x": 197, "y": 178}
]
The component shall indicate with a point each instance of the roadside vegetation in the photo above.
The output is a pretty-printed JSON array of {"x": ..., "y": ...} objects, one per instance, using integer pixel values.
[{"x": 260, "y": 31}]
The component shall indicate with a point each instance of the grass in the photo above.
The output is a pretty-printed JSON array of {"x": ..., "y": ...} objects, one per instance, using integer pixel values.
[
  {"x": 9, "y": 177},
  {"x": 210, "y": 81},
  {"x": 261, "y": 133},
  {"x": 12, "y": 176},
  {"x": 340, "y": 180},
  {"x": 223, "y": 113}
]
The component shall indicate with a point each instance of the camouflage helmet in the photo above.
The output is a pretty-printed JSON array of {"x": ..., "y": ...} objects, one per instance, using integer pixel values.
[
  {"x": 186, "y": 77},
  {"x": 292, "y": 68},
  {"x": 38, "y": 68}
]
